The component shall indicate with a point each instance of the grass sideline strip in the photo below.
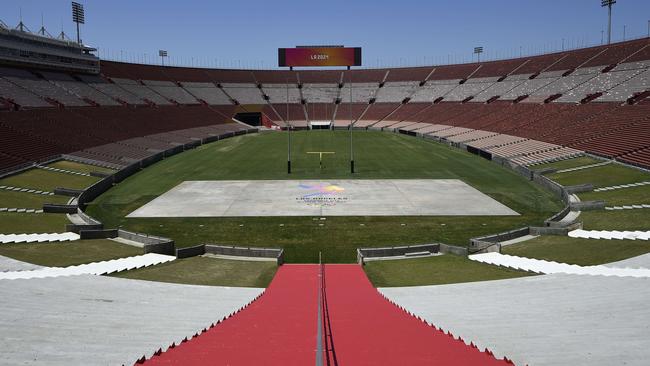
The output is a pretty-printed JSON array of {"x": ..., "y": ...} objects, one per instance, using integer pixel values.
[
  {"x": 68, "y": 253},
  {"x": 584, "y": 252},
  {"x": 435, "y": 270},
  {"x": 208, "y": 272}
]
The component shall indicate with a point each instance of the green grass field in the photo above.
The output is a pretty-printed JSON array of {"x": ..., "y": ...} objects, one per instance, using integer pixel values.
[
  {"x": 637, "y": 219},
  {"x": 22, "y": 223},
  {"x": 68, "y": 253},
  {"x": 568, "y": 163},
  {"x": 584, "y": 252},
  {"x": 12, "y": 199},
  {"x": 377, "y": 155},
  {"x": 437, "y": 270},
  {"x": 603, "y": 176},
  {"x": 79, "y": 167},
  {"x": 47, "y": 180},
  {"x": 207, "y": 271},
  {"x": 626, "y": 196}
]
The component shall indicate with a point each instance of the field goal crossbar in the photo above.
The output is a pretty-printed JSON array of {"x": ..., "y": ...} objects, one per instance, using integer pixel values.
[{"x": 320, "y": 156}]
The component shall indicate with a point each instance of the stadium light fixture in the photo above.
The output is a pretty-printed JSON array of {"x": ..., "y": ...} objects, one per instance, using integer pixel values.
[
  {"x": 478, "y": 51},
  {"x": 162, "y": 54},
  {"x": 608, "y": 4},
  {"x": 79, "y": 17}
]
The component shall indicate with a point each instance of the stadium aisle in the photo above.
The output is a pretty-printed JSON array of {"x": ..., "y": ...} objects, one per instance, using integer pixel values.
[
  {"x": 277, "y": 329},
  {"x": 369, "y": 330}
]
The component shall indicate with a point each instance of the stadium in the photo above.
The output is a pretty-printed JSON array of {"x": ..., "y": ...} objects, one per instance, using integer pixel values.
[{"x": 323, "y": 211}]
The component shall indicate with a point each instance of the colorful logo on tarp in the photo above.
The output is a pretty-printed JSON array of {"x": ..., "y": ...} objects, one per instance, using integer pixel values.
[{"x": 321, "y": 194}]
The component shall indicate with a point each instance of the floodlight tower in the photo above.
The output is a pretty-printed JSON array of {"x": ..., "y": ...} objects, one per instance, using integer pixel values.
[
  {"x": 478, "y": 51},
  {"x": 608, "y": 4},
  {"x": 162, "y": 54},
  {"x": 78, "y": 16}
]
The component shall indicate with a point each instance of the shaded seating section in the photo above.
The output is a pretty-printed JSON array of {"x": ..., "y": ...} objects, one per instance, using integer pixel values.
[
  {"x": 39, "y": 86},
  {"x": 244, "y": 93},
  {"x": 469, "y": 89},
  {"x": 319, "y": 93},
  {"x": 395, "y": 91},
  {"x": 278, "y": 93},
  {"x": 637, "y": 84},
  {"x": 207, "y": 92},
  {"x": 434, "y": 89},
  {"x": 171, "y": 91},
  {"x": 359, "y": 93},
  {"x": 79, "y": 88},
  {"x": 23, "y": 98},
  {"x": 601, "y": 83},
  {"x": 528, "y": 87},
  {"x": 500, "y": 88},
  {"x": 112, "y": 90},
  {"x": 141, "y": 91}
]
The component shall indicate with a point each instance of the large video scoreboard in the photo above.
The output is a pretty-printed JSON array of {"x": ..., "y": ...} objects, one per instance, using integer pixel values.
[{"x": 319, "y": 56}]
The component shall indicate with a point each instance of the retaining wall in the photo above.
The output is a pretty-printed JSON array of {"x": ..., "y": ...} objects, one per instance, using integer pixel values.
[
  {"x": 56, "y": 208},
  {"x": 363, "y": 253}
]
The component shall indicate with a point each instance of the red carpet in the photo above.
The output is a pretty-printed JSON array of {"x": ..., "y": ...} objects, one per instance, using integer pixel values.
[
  {"x": 361, "y": 328},
  {"x": 366, "y": 329},
  {"x": 277, "y": 329}
]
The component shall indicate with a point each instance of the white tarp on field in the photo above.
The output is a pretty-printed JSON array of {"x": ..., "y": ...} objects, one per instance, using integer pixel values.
[{"x": 352, "y": 197}]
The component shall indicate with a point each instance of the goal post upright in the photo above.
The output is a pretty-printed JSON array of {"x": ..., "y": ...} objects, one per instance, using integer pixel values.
[
  {"x": 351, "y": 125},
  {"x": 319, "y": 55},
  {"x": 288, "y": 134}
]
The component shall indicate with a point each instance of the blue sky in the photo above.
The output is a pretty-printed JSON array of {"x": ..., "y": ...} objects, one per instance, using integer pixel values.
[{"x": 247, "y": 34}]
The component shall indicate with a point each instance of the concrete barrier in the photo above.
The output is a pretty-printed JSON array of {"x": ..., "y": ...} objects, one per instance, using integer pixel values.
[
  {"x": 365, "y": 253},
  {"x": 68, "y": 192},
  {"x": 579, "y": 188},
  {"x": 490, "y": 243},
  {"x": 555, "y": 219},
  {"x": 246, "y": 252},
  {"x": 190, "y": 251},
  {"x": 92, "y": 192},
  {"x": 126, "y": 172},
  {"x": 99, "y": 174},
  {"x": 150, "y": 243},
  {"x": 534, "y": 230},
  {"x": 152, "y": 159},
  {"x": 98, "y": 234},
  {"x": 57, "y": 208},
  {"x": 587, "y": 205},
  {"x": 173, "y": 151},
  {"x": 452, "y": 249},
  {"x": 545, "y": 171}
]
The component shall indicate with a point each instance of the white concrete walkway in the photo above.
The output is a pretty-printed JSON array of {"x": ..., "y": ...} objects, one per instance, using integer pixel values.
[
  {"x": 610, "y": 234},
  {"x": 548, "y": 267},
  {"x": 37, "y": 238},
  {"x": 96, "y": 268}
]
